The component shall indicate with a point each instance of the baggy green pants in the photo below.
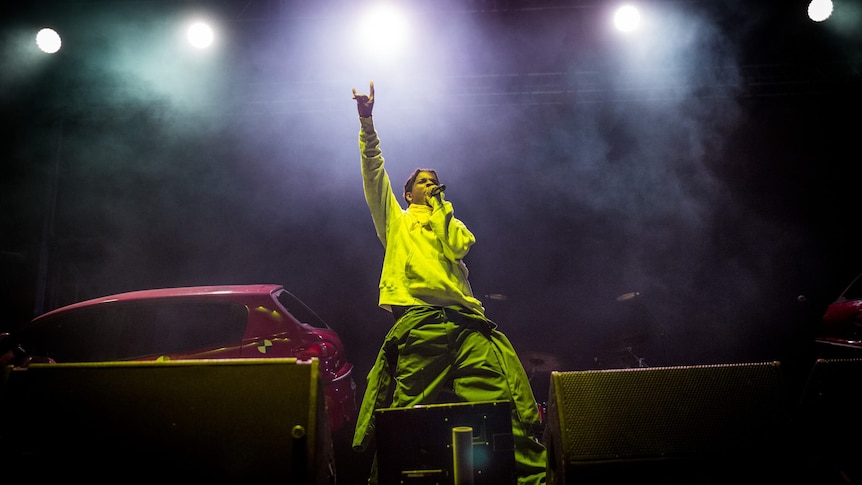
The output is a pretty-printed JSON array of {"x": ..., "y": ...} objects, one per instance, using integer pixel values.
[{"x": 431, "y": 350}]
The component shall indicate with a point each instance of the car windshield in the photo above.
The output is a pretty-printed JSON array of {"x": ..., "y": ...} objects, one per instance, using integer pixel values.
[
  {"x": 854, "y": 291},
  {"x": 300, "y": 310}
]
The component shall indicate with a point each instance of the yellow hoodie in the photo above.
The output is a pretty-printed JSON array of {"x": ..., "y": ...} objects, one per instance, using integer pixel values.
[{"x": 424, "y": 246}]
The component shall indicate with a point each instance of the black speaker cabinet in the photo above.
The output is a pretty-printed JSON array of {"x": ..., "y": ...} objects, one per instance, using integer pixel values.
[
  {"x": 415, "y": 445},
  {"x": 115, "y": 422},
  {"x": 833, "y": 394},
  {"x": 829, "y": 413},
  {"x": 691, "y": 424}
]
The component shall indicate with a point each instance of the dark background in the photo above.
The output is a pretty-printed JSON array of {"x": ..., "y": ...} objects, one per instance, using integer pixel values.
[{"x": 711, "y": 166}]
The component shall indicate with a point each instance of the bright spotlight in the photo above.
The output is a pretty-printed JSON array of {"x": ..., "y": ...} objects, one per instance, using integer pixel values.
[
  {"x": 200, "y": 35},
  {"x": 627, "y": 18},
  {"x": 48, "y": 40},
  {"x": 384, "y": 30},
  {"x": 819, "y": 10}
]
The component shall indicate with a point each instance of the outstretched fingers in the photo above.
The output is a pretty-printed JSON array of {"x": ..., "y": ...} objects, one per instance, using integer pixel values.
[{"x": 365, "y": 102}]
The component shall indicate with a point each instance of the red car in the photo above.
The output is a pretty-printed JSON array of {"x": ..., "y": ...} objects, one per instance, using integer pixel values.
[
  {"x": 840, "y": 330},
  {"x": 205, "y": 322}
]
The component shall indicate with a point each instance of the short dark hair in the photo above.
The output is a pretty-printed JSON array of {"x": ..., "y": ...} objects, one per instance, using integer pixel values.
[{"x": 408, "y": 186}]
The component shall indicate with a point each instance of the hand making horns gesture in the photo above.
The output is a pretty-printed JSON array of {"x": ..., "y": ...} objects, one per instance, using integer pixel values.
[{"x": 365, "y": 103}]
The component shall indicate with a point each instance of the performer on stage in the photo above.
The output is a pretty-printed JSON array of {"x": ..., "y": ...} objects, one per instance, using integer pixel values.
[{"x": 441, "y": 341}]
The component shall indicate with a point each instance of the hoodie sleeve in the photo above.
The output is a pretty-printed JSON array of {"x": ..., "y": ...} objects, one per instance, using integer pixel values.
[
  {"x": 451, "y": 232},
  {"x": 381, "y": 199}
]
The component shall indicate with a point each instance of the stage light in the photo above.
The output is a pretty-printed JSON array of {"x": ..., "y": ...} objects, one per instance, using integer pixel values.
[
  {"x": 819, "y": 10},
  {"x": 627, "y": 18},
  {"x": 200, "y": 35},
  {"x": 48, "y": 40},
  {"x": 384, "y": 30}
]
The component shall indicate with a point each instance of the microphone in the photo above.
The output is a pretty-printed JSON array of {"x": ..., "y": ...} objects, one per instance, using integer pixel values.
[{"x": 436, "y": 190}]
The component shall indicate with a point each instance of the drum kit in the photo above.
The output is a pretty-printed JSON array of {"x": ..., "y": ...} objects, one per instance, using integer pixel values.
[
  {"x": 625, "y": 349},
  {"x": 540, "y": 362}
]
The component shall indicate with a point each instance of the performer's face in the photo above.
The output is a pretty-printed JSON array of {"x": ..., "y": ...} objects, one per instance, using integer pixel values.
[{"x": 425, "y": 181}]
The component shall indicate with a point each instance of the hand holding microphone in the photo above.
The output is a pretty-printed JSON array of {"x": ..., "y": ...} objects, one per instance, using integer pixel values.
[{"x": 437, "y": 190}]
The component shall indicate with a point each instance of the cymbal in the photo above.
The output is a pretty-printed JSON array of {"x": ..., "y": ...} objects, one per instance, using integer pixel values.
[{"x": 534, "y": 361}]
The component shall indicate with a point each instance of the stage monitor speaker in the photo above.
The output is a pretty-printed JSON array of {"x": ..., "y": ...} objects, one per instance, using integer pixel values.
[
  {"x": 415, "y": 445},
  {"x": 224, "y": 420},
  {"x": 689, "y": 424}
]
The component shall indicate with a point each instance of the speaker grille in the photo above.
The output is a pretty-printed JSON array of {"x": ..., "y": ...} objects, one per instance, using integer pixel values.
[
  {"x": 178, "y": 420},
  {"x": 662, "y": 412}
]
